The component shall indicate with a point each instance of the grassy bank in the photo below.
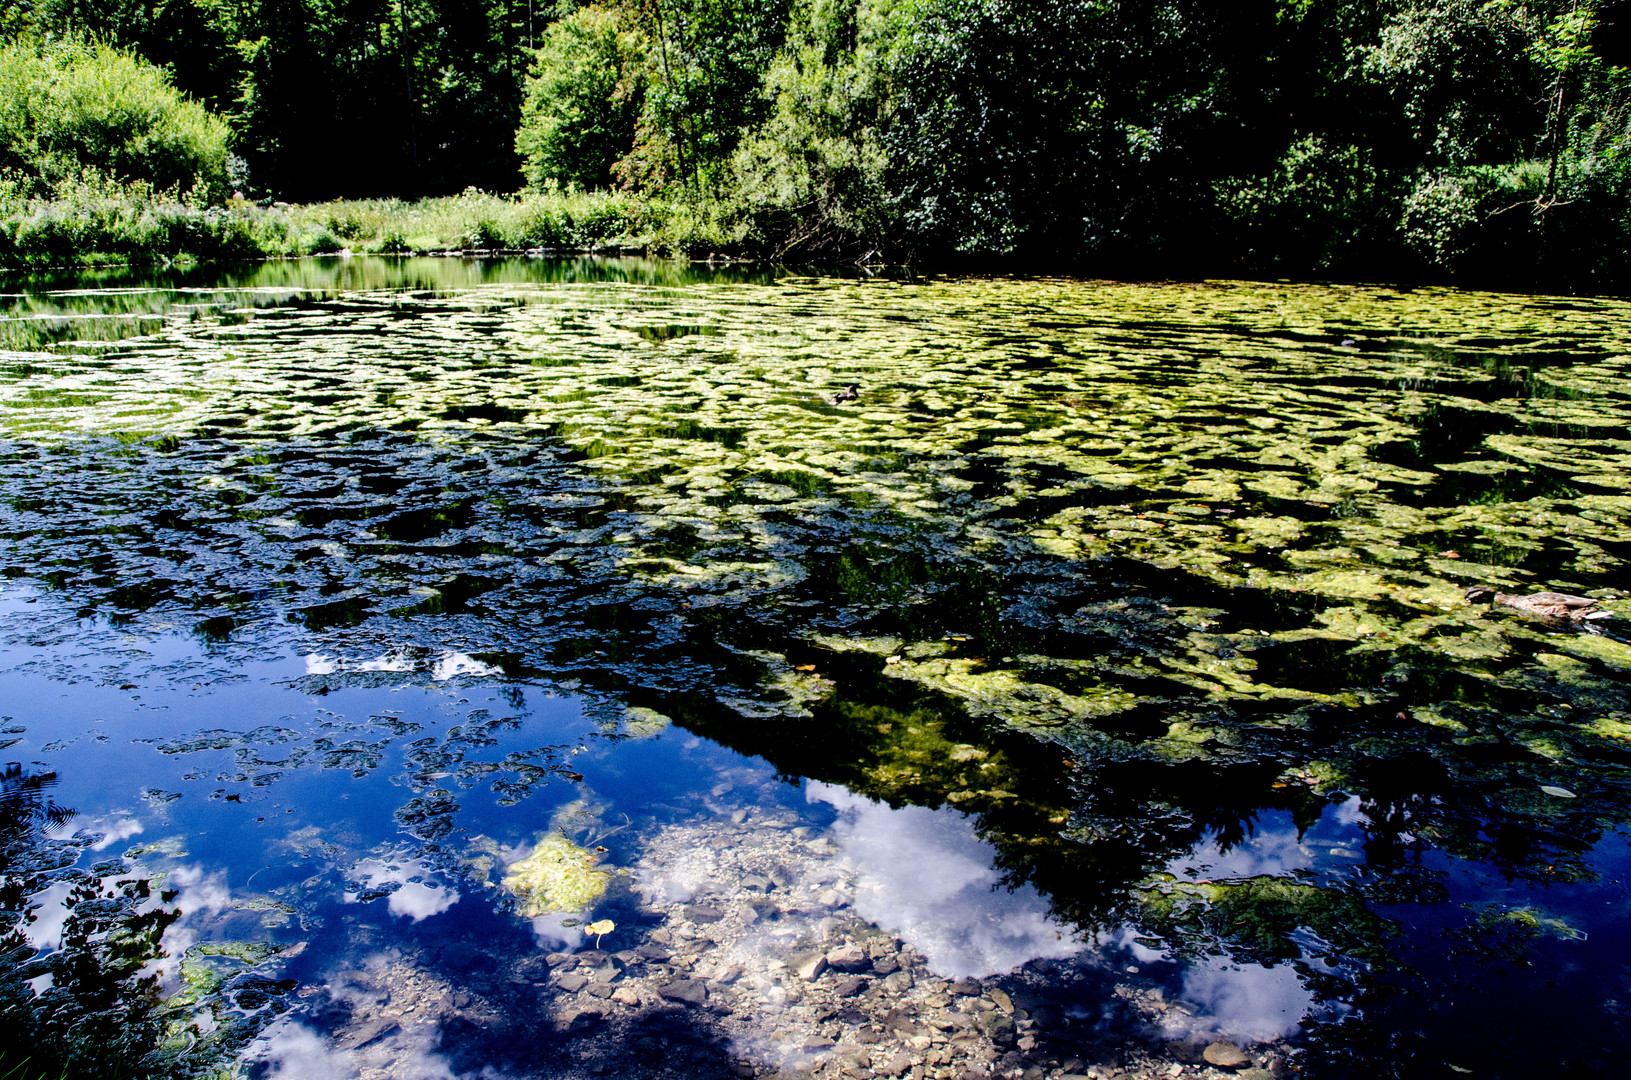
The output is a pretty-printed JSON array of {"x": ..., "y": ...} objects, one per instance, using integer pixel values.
[{"x": 90, "y": 223}]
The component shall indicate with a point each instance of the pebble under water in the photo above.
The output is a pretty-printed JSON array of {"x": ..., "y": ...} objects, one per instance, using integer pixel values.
[{"x": 524, "y": 668}]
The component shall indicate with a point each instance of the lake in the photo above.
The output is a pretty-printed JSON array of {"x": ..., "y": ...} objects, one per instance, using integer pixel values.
[{"x": 520, "y": 668}]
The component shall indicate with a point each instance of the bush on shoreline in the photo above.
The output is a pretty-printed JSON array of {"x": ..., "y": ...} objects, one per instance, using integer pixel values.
[{"x": 73, "y": 109}]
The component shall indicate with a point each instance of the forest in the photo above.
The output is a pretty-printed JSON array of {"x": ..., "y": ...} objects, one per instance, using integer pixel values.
[{"x": 1480, "y": 142}]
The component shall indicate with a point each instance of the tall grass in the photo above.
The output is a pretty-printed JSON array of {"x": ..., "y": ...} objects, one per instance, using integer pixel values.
[
  {"x": 478, "y": 221},
  {"x": 90, "y": 219}
]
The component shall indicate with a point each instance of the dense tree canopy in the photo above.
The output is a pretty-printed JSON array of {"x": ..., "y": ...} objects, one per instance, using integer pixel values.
[
  {"x": 1486, "y": 139},
  {"x": 1378, "y": 138},
  {"x": 339, "y": 97}
]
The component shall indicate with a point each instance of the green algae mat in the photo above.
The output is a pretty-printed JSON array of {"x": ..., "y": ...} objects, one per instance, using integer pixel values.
[{"x": 1136, "y": 577}]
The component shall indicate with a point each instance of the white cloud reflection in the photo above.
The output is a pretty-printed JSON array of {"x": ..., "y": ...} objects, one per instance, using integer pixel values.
[
  {"x": 925, "y": 876},
  {"x": 1249, "y": 1002},
  {"x": 200, "y": 890},
  {"x": 1274, "y": 848},
  {"x": 552, "y": 934},
  {"x": 295, "y": 1052},
  {"x": 446, "y": 666},
  {"x": 413, "y": 899},
  {"x": 108, "y": 828},
  {"x": 291, "y": 1050},
  {"x": 454, "y": 663},
  {"x": 1246, "y": 1002},
  {"x": 45, "y": 932}
]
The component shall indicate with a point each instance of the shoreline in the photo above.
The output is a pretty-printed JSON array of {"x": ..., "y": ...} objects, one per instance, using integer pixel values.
[{"x": 971, "y": 266}]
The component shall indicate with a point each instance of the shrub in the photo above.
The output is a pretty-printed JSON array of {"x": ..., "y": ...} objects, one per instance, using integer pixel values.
[
  {"x": 1441, "y": 214},
  {"x": 602, "y": 220},
  {"x": 486, "y": 235},
  {"x": 1322, "y": 205},
  {"x": 540, "y": 226},
  {"x": 68, "y": 107},
  {"x": 392, "y": 243}
]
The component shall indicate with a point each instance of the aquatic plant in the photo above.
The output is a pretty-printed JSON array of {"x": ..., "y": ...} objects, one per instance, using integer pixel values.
[
  {"x": 1119, "y": 571},
  {"x": 558, "y": 877}
]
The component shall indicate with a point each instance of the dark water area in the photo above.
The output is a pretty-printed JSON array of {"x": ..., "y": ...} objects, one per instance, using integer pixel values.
[{"x": 524, "y": 668}]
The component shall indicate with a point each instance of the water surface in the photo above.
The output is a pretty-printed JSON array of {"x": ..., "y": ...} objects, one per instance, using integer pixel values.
[{"x": 1114, "y": 632}]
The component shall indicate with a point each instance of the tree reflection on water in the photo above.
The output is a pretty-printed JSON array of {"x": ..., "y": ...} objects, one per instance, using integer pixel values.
[{"x": 1151, "y": 594}]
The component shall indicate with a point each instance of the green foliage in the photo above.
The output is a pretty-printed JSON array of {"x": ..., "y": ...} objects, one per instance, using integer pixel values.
[
  {"x": 1454, "y": 73},
  {"x": 1000, "y": 123},
  {"x": 1563, "y": 45},
  {"x": 1318, "y": 208},
  {"x": 812, "y": 178},
  {"x": 1442, "y": 214},
  {"x": 583, "y": 99},
  {"x": 705, "y": 62},
  {"x": 1471, "y": 140},
  {"x": 69, "y": 109},
  {"x": 339, "y": 97}
]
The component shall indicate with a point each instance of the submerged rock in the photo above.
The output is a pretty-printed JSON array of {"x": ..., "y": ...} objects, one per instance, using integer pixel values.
[
  {"x": 809, "y": 968},
  {"x": 849, "y": 958},
  {"x": 689, "y": 991},
  {"x": 1225, "y": 1055},
  {"x": 849, "y": 986}
]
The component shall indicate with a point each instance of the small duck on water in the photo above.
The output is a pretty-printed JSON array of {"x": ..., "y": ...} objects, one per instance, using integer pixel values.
[
  {"x": 849, "y": 393},
  {"x": 1546, "y": 605}
]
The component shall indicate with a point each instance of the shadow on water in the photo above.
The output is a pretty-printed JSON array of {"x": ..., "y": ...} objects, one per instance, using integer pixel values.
[
  {"x": 1124, "y": 624},
  {"x": 1085, "y": 811},
  {"x": 89, "y": 1006}
]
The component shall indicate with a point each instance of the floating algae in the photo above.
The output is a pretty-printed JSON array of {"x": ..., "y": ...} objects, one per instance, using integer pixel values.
[
  {"x": 1110, "y": 568},
  {"x": 640, "y": 722},
  {"x": 559, "y": 877},
  {"x": 1257, "y": 917}
]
